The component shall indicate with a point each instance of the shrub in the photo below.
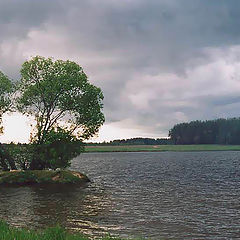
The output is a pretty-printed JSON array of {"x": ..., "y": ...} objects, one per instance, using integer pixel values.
[{"x": 58, "y": 149}]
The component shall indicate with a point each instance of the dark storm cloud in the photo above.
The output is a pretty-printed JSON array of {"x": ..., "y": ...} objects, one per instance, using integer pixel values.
[
  {"x": 18, "y": 17},
  {"x": 158, "y": 62}
]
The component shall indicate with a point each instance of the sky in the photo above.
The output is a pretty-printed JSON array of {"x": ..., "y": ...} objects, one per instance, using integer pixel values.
[{"x": 158, "y": 62}]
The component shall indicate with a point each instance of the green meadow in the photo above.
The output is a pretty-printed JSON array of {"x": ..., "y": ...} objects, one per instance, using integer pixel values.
[{"x": 162, "y": 148}]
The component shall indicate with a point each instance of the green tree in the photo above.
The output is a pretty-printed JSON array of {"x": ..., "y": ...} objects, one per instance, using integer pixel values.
[
  {"x": 63, "y": 102},
  {"x": 6, "y": 90}
]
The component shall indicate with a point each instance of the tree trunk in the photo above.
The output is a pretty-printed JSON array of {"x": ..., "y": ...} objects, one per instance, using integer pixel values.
[{"x": 5, "y": 156}]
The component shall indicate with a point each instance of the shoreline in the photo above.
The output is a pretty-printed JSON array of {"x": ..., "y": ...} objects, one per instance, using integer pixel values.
[
  {"x": 8, "y": 232},
  {"x": 36, "y": 177},
  {"x": 162, "y": 148}
]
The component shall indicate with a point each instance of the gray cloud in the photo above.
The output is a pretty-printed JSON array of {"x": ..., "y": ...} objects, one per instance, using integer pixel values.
[{"x": 159, "y": 62}]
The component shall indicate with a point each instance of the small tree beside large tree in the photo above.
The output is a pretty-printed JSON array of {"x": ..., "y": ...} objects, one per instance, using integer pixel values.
[{"x": 66, "y": 107}]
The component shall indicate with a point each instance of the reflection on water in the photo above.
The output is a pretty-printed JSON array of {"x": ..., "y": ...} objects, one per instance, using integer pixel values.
[
  {"x": 156, "y": 195},
  {"x": 77, "y": 208}
]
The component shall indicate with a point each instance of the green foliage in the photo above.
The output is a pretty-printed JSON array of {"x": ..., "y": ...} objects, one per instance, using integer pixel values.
[
  {"x": 22, "y": 153},
  {"x": 58, "y": 149},
  {"x": 57, "y": 93},
  {"x": 55, "y": 233},
  {"x": 41, "y": 176},
  {"x": 6, "y": 89},
  {"x": 17, "y": 177},
  {"x": 219, "y": 131},
  {"x": 59, "y": 90},
  {"x": 134, "y": 141},
  {"x": 67, "y": 109}
]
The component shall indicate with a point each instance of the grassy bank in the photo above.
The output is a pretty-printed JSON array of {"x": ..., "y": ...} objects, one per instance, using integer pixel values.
[
  {"x": 57, "y": 233},
  {"x": 162, "y": 148},
  {"x": 42, "y": 177}
]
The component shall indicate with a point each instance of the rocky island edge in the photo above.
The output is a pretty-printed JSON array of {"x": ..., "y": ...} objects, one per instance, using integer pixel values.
[{"x": 28, "y": 177}]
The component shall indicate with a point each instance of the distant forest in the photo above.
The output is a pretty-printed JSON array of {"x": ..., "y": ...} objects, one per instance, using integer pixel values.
[
  {"x": 136, "y": 141},
  {"x": 220, "y": 131}
]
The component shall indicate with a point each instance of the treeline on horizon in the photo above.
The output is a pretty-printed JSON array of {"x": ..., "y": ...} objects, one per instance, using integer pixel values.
[
  {"x": 136, "y": 141},
  {"x": 219, "y": 131}
]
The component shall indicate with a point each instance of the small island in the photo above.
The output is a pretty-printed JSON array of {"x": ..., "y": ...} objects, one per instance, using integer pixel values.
[{"x": 30, "y": 177}]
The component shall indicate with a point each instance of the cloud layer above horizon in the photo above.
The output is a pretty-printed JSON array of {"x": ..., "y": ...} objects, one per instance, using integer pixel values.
[{"x": 158, "y": 62}]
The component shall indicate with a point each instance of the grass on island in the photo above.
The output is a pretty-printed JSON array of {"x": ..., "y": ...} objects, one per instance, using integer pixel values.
[
  {"x": 56, "y": 233},
  {"x": 42, "y": 176},
  {"x": 162, "y": 148}
]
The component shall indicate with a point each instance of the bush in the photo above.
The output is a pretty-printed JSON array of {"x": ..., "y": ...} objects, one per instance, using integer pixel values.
[
  {"x": 22, "y": 153},
  {"x": 57, "y": 151}
]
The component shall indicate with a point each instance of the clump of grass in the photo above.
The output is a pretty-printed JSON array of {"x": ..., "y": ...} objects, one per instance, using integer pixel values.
[
  {"x": 56, "y": 233},
  {"x": 17, "y": 177}
]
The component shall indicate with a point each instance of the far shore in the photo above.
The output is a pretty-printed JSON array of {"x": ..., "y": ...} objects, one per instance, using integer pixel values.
[{"x": 162, "y": 148}]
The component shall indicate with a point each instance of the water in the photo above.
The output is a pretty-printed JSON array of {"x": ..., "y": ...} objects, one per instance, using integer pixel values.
[{"x": 168, "y": 195}]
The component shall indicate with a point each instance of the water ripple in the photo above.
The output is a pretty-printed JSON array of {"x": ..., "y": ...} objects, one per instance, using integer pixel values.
[{"x": 157, "y": 195}]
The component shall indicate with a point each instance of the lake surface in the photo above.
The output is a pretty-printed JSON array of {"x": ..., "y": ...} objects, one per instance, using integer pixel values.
[{"x": 169, "y": 195}]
